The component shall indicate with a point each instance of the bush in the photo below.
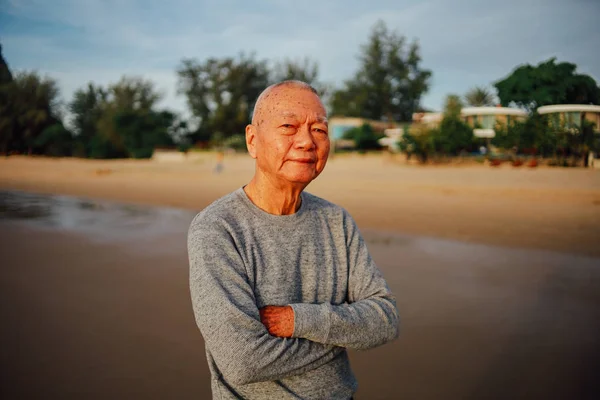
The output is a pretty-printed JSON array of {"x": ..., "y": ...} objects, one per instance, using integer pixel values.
[
  {"x": 143, "y": 131},
  {"x": 419, "y": 140},
  {"x": 364, "y": 137},
  {"x": 453, "y": 136},
  {"x": 55, "y": 141},
  {"x": 102, "y": 148}
]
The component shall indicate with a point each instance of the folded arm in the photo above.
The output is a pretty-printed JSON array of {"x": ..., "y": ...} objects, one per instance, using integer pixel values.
[
  {"x": 369, "y": 319},
  {"x": 227, "y": 315}
]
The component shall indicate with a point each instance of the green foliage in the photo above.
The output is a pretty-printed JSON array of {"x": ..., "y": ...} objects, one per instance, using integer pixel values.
[
  {"x": 452, "y": 106},
  {"x": 418, "y": 140},
  {"x": 55, "y": 141},
  {"x": 531, "y": 134},
  {"x": 28, "y": 105},
  {"x": 453, "y": 136},
  {"x": 221, "y": 92},
  {"x": 142, "y": 131},
  {"x": 129, "y": 96},
  {"x": 304, "y": 70},
  {"x": 507, "y": 136},
  {"x": 121, "y": 122},
  {"x": 86, "y": 109},
  {"x": 479, "y": 97},
  {"x": 547, "y": 83},
  {"x": 101, "y": 148},
  {"x": 364, "y": 137},
  {"x": 389, "y": 83}
]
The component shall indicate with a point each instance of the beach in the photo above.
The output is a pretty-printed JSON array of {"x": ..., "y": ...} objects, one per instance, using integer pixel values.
[
  {"x": 496, "y": 272},
  {"x": 542, "y": 208}
]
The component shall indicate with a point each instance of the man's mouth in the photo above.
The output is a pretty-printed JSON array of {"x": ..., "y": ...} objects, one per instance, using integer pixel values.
[{"x": 304, "y": 160}]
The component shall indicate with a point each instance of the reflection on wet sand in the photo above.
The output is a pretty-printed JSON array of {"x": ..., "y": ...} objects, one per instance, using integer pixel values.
[{"x": 96, "y": 219}]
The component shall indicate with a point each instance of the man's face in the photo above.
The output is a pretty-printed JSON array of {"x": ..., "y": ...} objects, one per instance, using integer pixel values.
[{"x": 289, "y": 137}]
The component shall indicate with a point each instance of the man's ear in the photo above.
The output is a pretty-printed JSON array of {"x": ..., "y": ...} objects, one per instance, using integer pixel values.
[{"x": 251, "y": 140}]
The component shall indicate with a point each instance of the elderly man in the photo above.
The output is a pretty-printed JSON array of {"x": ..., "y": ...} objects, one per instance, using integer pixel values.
[{"x": 281, "y": 280}]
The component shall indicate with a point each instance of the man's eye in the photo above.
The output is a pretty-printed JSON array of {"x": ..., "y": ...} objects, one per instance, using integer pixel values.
[{"x": 320, "y": 130}]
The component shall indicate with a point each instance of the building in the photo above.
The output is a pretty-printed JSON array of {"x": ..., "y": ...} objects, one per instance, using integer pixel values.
[
  {"x": 391, "y": 139},
  {"x": 340, "y": 125},
  {"x": 572, "y": 114},
  {"x": 428, "y": 119},
  {"x": 484, "y": 119}
]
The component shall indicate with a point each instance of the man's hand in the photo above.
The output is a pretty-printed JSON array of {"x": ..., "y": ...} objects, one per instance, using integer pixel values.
[{"x": 279, "y": 320}]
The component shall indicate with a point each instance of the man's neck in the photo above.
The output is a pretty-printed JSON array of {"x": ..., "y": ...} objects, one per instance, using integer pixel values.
[{"x": 274, "y": 198}]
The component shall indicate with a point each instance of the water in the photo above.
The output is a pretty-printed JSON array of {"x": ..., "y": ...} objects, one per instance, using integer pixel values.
[{"x": 99, "y": 220}]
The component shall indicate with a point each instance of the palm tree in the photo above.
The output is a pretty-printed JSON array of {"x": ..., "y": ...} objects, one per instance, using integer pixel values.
[{"x": 479, "y": 96}]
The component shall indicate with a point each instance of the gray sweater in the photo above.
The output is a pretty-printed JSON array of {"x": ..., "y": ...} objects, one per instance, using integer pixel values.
[{"x": 242, "y": 259}]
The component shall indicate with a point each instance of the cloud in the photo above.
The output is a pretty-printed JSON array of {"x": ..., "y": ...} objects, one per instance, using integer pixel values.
[{"x": 465, "y": 43}]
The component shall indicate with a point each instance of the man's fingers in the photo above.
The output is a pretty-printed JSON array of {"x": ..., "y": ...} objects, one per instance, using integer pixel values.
[{"x": 277, "y": 320}]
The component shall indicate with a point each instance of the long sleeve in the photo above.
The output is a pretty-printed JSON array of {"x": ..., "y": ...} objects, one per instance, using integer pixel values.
[
  {"x": 369, "y": 319},
  {"x": 226, "y": 313}
]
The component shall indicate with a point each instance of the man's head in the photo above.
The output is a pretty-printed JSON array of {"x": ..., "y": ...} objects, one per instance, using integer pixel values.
[{"x": 288, "y": 136}]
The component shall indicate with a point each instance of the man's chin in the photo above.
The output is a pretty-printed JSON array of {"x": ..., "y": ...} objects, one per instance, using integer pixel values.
[
  {"x": 301, "y": 179},
  {"x": 304, "y": 176}
]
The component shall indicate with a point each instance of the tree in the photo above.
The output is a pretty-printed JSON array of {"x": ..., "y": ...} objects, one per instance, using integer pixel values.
[
  {"x": 121, "y": 121},
  {"x": 221, "y": 92},
  {"x": 479, "y": 97},
  {"x": 28, "y": 105},
  {"x": 86, "y": 109},
  {"x": 418, "y": 140},
  {"x": 130, "y": 96},
  {"x": 453, "y": 135},
  {"x": 547, "y": 83},
  {"x": 55, "y": 141},
  {"x": 143, "y": 131},
  {"x": 303, "y": 70},
  {"x": 453, "y": 106},
  {"x": 389, "y": 83}
]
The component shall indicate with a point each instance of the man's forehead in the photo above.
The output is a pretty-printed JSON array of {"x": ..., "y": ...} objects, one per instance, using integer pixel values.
[
  {"x": 290, "y": 114},
  {"x": 288, "y": 99}
]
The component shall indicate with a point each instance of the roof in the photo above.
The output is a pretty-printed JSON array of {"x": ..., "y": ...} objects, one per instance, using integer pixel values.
[
  {"x": 468, "y": 111},
  {"x": 558, "y": 108}
]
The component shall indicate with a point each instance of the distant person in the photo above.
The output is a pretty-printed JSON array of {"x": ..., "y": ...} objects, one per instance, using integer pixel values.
[
  {"x": 281, "y": 281},
  {"x": 219, "y": 165}
]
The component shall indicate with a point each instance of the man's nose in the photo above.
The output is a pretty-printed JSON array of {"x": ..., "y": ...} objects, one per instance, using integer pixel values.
[{"x": 304, "y": 138}]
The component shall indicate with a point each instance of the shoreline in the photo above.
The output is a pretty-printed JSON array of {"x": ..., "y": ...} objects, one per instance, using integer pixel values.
[{"x": 552, "y": 209}]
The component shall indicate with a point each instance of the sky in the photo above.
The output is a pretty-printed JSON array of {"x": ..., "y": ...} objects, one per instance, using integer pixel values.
[{"x": 465, "y": 43}]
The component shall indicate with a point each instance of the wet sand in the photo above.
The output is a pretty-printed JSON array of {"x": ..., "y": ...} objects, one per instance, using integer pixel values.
[
  {"x": 543, "y": 208},
  {"x": 103, "y": 313}
]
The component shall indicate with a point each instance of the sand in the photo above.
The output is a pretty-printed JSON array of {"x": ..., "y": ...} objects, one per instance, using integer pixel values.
[
  {"x": 496, "y": 272},
  {"x": 88, "y": 319},
  {"x": 543, "y": 208}
]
